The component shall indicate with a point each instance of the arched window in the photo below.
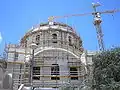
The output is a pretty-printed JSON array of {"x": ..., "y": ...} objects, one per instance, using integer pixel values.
[
  {"x": 54, "y": 38},
  {"x": 70, "y": 40},
  {"x": 37, "y": 39},
  {"x": 55, "y": 72}
]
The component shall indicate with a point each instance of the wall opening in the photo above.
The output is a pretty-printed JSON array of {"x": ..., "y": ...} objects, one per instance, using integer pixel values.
[
  {"x": 55, "y": 72},
  {"x": 16, "y": 56},
  {"x": 54, "y": 38},
  {"x": 37, "y": 39},
  {"x": 70, "y": 40},
  {"x": 36, "y": 71},
  {"x": 74, "y": 73}
]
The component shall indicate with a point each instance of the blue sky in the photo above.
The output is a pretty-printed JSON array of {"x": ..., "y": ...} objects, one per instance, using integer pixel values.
[{"x": 18, "y": 16}]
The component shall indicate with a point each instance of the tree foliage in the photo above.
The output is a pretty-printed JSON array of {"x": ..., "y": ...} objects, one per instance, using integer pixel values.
[{"x": 106, "y": 71}]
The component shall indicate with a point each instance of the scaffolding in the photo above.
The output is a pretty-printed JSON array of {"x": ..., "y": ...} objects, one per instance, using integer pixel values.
[{"x": 56, "y": 62}]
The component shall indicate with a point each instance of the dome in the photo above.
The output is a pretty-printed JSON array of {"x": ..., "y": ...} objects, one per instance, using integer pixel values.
[
  {"x": 52, "y": 34},
  {"x": 54, "y": 25},
  {"x": 47, "y": 26}
]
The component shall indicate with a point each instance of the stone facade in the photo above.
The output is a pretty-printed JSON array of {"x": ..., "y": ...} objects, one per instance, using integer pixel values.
[{"x": 58, "y": 61}]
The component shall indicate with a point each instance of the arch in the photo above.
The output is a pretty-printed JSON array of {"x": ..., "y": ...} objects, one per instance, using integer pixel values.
[
  {"x": 50, "y": 48},
  {"x": 37, "y": 39},
  {"x": 54, "y": 37},
  {"x": 70, "y": 40}
]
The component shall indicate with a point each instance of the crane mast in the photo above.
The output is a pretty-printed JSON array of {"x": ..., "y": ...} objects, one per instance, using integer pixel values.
[{"x": 97, "y": 23}]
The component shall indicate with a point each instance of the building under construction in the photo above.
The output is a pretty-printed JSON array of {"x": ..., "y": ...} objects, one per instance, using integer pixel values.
[{"x": 50, "y": 55}]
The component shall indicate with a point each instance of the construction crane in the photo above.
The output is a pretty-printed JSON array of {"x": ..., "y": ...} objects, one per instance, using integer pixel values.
[{"x": 97, "y": 22}]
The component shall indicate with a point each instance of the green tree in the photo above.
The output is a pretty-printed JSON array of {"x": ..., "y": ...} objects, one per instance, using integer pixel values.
[{"x": 106, "y": 71}]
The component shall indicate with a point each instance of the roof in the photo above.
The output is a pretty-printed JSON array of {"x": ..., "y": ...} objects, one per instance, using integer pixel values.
[{"x": 46, "y": 26}]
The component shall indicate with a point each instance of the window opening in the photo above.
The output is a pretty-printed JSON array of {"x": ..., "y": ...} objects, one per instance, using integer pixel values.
[
  {"x": 54, "y": 38},
  {"x": 70, "y": 40},
  {"x": 16, "y": 55},
  {"x": 55, "y": 72},
  {"x": 73, "y": 73},
  {"x": 36, "y": 71},
  {"x": 37, "y": 39}
]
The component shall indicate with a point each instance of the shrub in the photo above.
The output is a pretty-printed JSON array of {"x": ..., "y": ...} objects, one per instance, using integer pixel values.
[{"x": 106, "y": 71}]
